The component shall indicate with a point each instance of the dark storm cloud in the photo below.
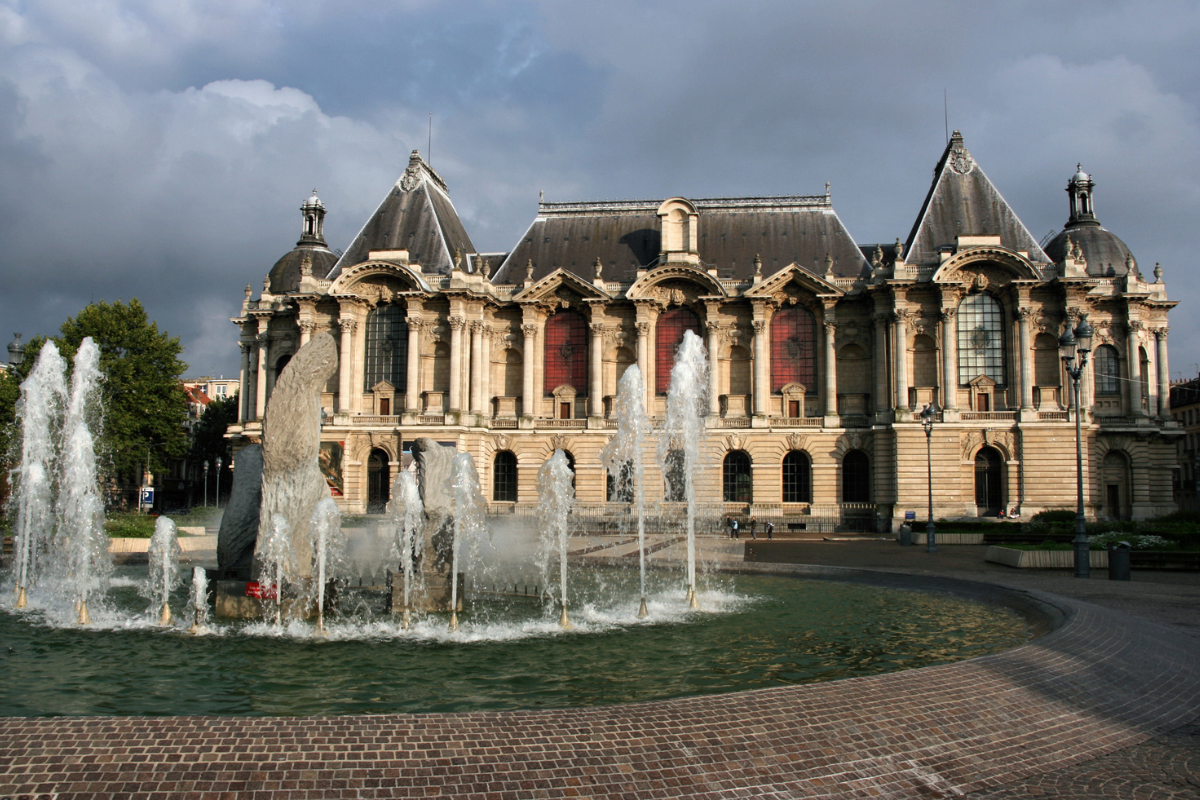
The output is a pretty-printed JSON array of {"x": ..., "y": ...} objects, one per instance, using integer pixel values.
[{"x": 161, "y": 150}]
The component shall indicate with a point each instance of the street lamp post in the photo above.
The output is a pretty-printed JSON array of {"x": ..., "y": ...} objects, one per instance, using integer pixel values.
[
  {"x": 206, "y": 484},
  {"x": 928, "y": 414},
  {"x": 218, "y": 497},
  {"x": 1074, "y": 347}
]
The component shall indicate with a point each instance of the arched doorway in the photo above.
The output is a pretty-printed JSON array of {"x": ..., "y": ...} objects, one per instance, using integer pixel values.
[
  {"x": 989, "y": 476},
  {"x": 379, "y": 483},
  {"x": 856, "y": 477},
  {"x": 1115, "y": 475}
]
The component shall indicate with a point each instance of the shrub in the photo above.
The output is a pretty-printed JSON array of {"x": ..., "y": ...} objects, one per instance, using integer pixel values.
[{"x": 130, "y": 526}]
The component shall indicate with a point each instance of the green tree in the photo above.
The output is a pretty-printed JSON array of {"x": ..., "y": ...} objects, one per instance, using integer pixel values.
[
  {"x": 208, "y": 438},
  {"x": 144, "y": 404}
]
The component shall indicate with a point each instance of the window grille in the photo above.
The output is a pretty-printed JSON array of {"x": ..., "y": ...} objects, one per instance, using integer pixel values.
[
  {"x": 793, "y": 349},
  {"x": 504, "y": 477},
  {"x": 387, "y": 348},
  {"x": 566, "y": 352},
  {"x": 668, "y": 335},
  {"x": 980, "y": 339},
  {"x": 797, "y": 478},
  {"x": 1107, "y": 370},
  {"x": 739, "y": 485}
]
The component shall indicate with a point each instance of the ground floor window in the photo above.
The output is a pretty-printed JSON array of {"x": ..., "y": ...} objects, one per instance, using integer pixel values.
[
  {"x": 797, "y": 478},
  {"x": 856, "y": 477},
  {"x": 504, "y": 477},
  {"x": 739, "y": 485}
]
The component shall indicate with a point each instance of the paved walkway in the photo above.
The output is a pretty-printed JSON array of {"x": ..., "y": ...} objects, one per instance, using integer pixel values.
[{"x": 1105, "y": 705}]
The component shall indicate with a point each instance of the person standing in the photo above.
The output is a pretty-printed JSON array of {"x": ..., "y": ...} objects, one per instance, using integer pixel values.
[
  {"x": 753, "y": 528},
  {"x": 736, "y": 533},
  {"x": 770, "y": 529}
]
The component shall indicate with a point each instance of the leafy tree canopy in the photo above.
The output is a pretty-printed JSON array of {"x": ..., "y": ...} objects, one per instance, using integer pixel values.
[
  {"x": 144, "y": 404},
  {"x": 208, "y": 435}
]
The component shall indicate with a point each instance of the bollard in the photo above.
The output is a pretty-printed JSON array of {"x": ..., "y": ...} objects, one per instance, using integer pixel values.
[
  {"x": 1118, "y": 561},
  {"x": 906, "y": 535}
]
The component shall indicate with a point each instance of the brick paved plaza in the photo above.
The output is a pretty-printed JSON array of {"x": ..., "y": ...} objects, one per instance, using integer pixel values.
[{"x": 1103, "y": 705}]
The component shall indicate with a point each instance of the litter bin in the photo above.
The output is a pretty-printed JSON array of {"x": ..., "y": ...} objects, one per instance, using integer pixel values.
[
  {"x": 906, "y": 535},
  {"x": 1118, "y": 561}
]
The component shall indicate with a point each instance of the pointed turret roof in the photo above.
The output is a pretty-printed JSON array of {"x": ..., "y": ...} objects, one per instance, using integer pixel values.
[
  {"x": 963, "y": 202},
  {"x": 417, "y": 216}
]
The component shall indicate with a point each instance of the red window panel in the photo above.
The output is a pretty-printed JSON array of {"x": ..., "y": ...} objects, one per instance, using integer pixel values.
[
  {"x": 566, "y": 353},
  {"x": 668, "y": 335},
  {"x": 793, "y": 349}
]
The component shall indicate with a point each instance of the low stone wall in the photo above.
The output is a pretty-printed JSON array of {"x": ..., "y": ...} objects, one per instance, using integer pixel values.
[
  {"x": 1042, "y": 559},
  {"x": 186, "y": 543},
  {"x": 947, "y": 538}
]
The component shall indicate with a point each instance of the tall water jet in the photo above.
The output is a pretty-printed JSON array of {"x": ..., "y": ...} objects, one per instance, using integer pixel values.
[
  {"x": 81, "y": 540},
  {"x": 43, "y": 395},
  {"x": 164, "y": 567},
  {"x": 622, "y": 457},
  {"x": 199, "y": 601},
  {"x": 328, "y": 544},
  {"x": 556, "y": 495},
  {"x": 469, "y": 521},
  {"x": 408, "y": 513},
  {"x": 278, "y": 563},
  {"x": 687, "y": 402}
]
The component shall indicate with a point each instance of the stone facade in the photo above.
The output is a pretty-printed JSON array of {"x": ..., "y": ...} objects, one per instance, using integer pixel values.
[{"x": 825, "y": 351}]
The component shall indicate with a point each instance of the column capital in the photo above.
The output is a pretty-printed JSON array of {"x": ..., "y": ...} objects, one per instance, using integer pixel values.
[
  {"x": 476, "y": 326},
  {"x": 949, "y": 314},
  {"x": 713, "y": 327},
  {"x": 596, "y": 328},
  {"x": 348, "y": 325},
  {"x": 416, "y": 323},
  {"x": 1025, "y": 314},
  {"x": 643, "y": 329},
  {"x": 457, "y": 323},
  {"x": 529, "y": 330},
  {"x": 759, "y": 326},
  {"x": 830, "y": 326}
]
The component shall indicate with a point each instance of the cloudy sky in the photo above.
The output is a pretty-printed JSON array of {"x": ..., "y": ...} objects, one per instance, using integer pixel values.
[{"x": 160, "y": 149}]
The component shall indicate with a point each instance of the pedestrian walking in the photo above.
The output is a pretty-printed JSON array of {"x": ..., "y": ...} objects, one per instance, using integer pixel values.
[
  {"x": 753, "y": 528},
  {"x": 729, "y": 526},
  {"x": 770, "y": 529},
  {"x": 736, "y": 533}
]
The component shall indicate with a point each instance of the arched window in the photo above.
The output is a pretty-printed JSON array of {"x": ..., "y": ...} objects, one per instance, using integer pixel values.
[
  {"x": 566, "y": 352},
  {"x": 504, "y": 477},
  {"x": 856, "y": 477},
  {"x": 797, "y": 477},
  {"x": 794, "y": 349},
  {"x": 674, "y": 485},
  {"x": 379, "y": 485},
  {"x": 980, "y": 339},
  {"x": 281, "y": 363},
  {"x": 387, "y": 348},
  {"x": 1046, "y": 361},
  {"x": 739, "y": 485},
  {"x": 668, "y": 335},
  {"x": 620, "y": 487},
  {"x": 1107, "y": 370}
]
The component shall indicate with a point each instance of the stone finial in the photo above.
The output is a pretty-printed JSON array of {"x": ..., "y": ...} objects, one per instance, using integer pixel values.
[
  {"x": 1130, "y": 266},
  {"x": 249, "y": 291},
  {"x": 757, "y": 265},
  {"x": 457, "y": 259},
  {"x": 899, "y": 249},
  {"x": 828, "y": 265},
  {"x": 599, "y": 268},
  {"x": 267, "y": 284},
  {"x": 306, "y": 266},
  {"x": 877, "y": 257},
  {"x": 1158, "y": 272},
  {"x": 529, "y": 270}
]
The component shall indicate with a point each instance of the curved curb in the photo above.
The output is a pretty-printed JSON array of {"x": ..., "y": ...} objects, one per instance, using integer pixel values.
[{"x": 1096, "y": 682}]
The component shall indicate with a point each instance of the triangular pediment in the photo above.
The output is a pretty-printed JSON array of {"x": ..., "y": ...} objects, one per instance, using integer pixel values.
[
  {"x": 983, "y": 382},
  {"x": 794, "y": 274},
  {"x": 383, "y": 387},
  {"x": 554, "y": 284}
]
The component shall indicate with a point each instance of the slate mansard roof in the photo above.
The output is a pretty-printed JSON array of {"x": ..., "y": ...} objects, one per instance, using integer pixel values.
[
  {"x": 963, "y": 202},
  {"x": 626, "y": 237}
]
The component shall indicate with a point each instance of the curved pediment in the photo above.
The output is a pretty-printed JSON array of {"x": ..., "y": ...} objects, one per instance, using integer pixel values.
[
  {"x": 663, "y": 283},
  {"x": 991, "y": 264},
  {"x": 391, "y": 274}
]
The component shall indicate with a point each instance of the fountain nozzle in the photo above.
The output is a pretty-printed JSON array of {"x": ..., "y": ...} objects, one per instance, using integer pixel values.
[
  {"x": 22, "y": 600},
  {"x": 165, "y": 619},
  {"x": 453, "y": 621},
  {"x": 643, "y": 612},
  {"x": 84, "y": 619},
  {"x": 693, "y": 599},
  {"x": 406, "y": 619},
  {"x": 563, "y": 621}
]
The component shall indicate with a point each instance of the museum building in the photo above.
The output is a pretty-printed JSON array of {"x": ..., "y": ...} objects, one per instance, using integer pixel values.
[{"x": 823, "y": 351}]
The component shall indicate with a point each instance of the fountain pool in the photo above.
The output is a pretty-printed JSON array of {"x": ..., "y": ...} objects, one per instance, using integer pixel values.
[{"x": 754, "y": 631}]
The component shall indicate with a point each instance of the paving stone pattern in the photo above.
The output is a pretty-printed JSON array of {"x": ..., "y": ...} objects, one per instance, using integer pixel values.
[{"x": 1066, "y": 715}]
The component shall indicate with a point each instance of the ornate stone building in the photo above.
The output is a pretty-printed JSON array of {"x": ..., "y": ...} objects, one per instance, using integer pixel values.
[{"x": 823, "y": 350}]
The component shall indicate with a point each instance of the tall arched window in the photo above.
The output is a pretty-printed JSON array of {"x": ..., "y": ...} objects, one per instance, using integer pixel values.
[
  {"x": 387, "y": 348},
  {"x": 980, "y": 339},
  {"x": 856, "y": 477},
  {"x": 668, "y": 335},
  {"x": 504, "y": 477},
  {"x": 566, "y": 352},
  {"x": 739, "y": 485},
  {"x": 797, "y": 477},
  {"x": 379, "y": 484},
  {"x": 794, "y": 349},
  {"x": 1107, "y": 369}
]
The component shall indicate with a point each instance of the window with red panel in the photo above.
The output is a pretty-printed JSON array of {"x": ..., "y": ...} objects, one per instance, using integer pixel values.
[
  {"x": 566, "y": 353},
  {"x": 668, "y": 335},
  {"x": 793, "y": 349}
]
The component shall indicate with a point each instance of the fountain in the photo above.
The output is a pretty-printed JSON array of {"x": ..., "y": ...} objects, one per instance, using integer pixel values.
[
  {"x": 327, "y": 545},
  {"x": 164, "y": 567},
  {"x": 469, "y": 523},
  {"x": 556, "y": 495},
  {"x": 199, "y": 601},
  {"x": 683, "y": 429},
  {"x": 408, "y": 516},
  {"x": 622, "y": 457}
]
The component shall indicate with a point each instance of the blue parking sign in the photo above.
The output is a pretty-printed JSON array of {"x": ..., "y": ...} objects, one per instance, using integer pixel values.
[{"x": 147, "y": 495}]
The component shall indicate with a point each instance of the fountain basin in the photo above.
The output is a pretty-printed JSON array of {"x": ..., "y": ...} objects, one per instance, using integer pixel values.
[{"x": 755, "y": 631}]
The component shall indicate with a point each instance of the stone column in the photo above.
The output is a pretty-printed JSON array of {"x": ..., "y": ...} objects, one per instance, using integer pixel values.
[
  {"x": 883, "y": 399},
  {"x": 476, "y": 380},
  {"x": 529, "y": 346},
  {"x": 260, "y": 402},
  {"x": 595, "y": 369},
  {"x": 1133, "y": 330},
  {"x": 1164, "y": 374},
  {"x": 900, "y": 350},
  {"x": 359, "y": 374},
  {"x": 950, "y": 358},
  {"x": 486, "y": 374},
  {"x": 643, "y": 360},
  {"x": 1023, "y": 317},
  {"x": 345, "y": 363},
  {"x": 714, "y": 368},
  {"x": 457, "y": 324},
  {"x": 244, "y": 383},
  {"x": 412, "y": 389},
  {"x": 307, "y": 326},
  {"x": 830, "y": 327}
]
